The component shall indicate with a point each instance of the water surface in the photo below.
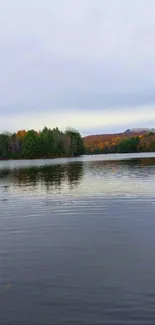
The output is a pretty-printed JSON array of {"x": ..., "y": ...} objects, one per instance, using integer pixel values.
[{"x": 77, "y": 240}]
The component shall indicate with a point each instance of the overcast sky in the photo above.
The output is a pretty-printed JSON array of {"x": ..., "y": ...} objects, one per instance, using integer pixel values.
[{"x": 88, "y": 64}]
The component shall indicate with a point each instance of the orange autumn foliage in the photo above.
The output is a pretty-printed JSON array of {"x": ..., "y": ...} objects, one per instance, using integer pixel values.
[
  {"x": 110, "y": 142},
  {"x": 21, "y": 133}
]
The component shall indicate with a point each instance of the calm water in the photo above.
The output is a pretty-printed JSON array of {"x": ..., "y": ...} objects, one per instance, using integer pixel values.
[{"x": 77, "y": 241}]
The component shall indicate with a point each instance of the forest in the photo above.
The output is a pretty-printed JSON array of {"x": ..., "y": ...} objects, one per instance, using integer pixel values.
[
  {"x": 43, "y": 144},
  {"x": 119, "y": 143},
  {"x": 52, "y": 143}
]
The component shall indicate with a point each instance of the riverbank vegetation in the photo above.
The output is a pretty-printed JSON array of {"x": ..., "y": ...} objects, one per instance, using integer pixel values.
[
  {"x": 119, "y": 143},
  {"x": 53, "y": 143},
  {"x": 43, "y": 144}
]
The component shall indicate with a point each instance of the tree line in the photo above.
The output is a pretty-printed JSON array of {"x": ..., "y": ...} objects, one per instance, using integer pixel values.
[
  {"x": 120, "y": 144},
  {"x": 50, "y": 143},
  {"x": 43, "y": 144}
]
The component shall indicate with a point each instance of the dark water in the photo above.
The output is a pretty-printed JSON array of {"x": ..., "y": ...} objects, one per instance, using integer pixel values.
[{"x": 77, "y": 241}]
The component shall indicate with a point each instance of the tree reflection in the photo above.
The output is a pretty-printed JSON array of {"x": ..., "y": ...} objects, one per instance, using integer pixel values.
[
  {"x": 51, "y": 177},
  {"x": 56, "y": 178},
  {"x": 74, "y": 174},
  {"x": 137, "y": 168},
  {"x": 121, "y": 164}
]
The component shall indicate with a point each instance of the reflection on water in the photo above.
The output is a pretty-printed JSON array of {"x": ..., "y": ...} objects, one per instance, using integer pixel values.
[
  {"x": 77, "y": 241},
  {"x": 49, "y": 177},
  {"x": 134, "y": 176}
]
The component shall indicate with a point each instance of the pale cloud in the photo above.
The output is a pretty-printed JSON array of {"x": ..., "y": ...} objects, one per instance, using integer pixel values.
[
  {"x": 77, "y": 62},
  {"x": 114, "y": 120}
]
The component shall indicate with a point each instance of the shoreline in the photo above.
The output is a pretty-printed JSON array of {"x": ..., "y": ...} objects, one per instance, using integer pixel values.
[
  {"x": 38, "y": 158},
  {"x": 86, "y": 154}
]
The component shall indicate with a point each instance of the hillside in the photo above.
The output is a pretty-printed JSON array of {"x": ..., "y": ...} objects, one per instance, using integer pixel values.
[
  {"x": 131, "y": 140},
  {"x": 137, "y": 131}
]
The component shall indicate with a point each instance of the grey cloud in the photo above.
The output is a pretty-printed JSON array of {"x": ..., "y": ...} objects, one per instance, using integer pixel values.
[
  {"x": 81, "y": 54},
  {"x": 73, "y": 102}
]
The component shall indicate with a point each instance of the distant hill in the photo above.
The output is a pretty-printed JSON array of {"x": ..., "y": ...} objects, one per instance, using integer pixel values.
[
  {"x": 128, "y": 132},
  {"x": 139, "y": 131},
  {"x": 104, "y": 143}
]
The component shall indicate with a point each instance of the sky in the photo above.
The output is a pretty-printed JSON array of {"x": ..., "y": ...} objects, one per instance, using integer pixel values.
[{"x": 87, "y": 64}]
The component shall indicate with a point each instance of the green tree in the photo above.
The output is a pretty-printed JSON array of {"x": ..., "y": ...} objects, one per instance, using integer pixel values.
[
  {"x": 76, "y": 142},
  {"x": 152, "y": 146},
  {"x": 4, "y": 146},
  {"x": 31, "y": 145},
  {"x": 128, "y": 145}
]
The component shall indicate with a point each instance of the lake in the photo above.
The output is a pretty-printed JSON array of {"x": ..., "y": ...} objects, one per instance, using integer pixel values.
[{"x": 77, "y": 241}]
